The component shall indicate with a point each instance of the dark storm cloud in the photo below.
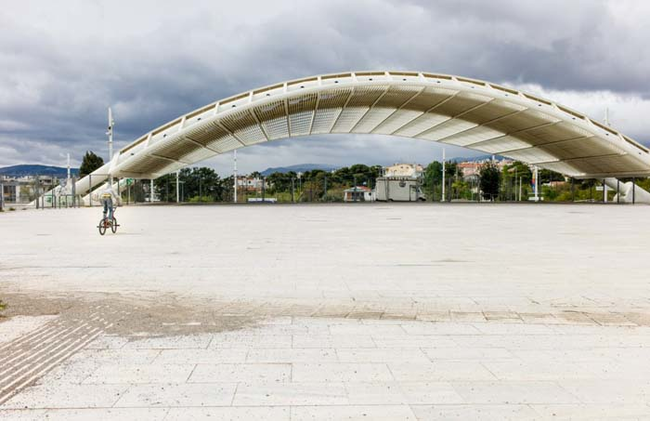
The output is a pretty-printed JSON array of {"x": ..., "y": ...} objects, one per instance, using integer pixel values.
[{"x": 63, "y": 64}]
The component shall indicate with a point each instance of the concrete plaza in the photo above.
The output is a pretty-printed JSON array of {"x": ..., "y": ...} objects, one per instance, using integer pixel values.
[{"x": 456, "y": 311}]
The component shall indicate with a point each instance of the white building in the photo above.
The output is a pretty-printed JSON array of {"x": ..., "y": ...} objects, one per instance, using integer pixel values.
[{"x": 404, "y": 170}]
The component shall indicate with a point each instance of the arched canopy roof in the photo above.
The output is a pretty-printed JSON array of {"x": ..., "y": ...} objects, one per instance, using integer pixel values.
[{"x": 448, "y": 109}]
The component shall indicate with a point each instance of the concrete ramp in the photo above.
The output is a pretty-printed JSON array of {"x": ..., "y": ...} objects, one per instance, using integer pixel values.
[{"x": 628, "y": 192}]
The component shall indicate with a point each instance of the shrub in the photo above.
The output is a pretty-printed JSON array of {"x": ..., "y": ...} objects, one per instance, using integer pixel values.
[
  {"x": 332, "y": 198},
  {"x": 201, "y": 199}
]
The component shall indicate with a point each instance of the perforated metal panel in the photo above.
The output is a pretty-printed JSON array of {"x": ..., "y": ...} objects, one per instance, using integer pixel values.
[
  {"x": 530, "y": 155},
  {"x": 396, "y": 121},
  {"x": 562, "y": 168},
  {"x": 607, "y": 164},
  {"x": 206, "y": 133},
  {"x": 491, "y": 111},
  {"x": 199, "y": 155},
  {"x": 372, "y": 119},
  {"x": 273, "y": 117},
  {"x": 225, "y": 144},
  {"x": 147, "y": 165},
  {"x": 460, "y": 103},
  {"x": 580, "y": 147},
  {"x": 552, "y": 133},
  {"x": 244, "y": 127},
  {"x": 358, "y": 105},
  {"x": 500, "y": 145},
  {"x": 445, "y": 129},
  {"x": 329, "y": 107},
  {"x": 429, "y": 98},
  {"x": 393, "y": 99},
  {"x": 301, "y": 114},
  {"x": 472, "y": 136},
  {"x": 178, "y": 149},
  {"x": 521, "y": 121},
  {"x": 421, "y": 124}
]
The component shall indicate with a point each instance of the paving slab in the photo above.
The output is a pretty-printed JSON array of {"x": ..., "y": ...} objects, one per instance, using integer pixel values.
[
  {"x": 177, "y": 395},
  {"x": 215, "y": 373},
  {"x": 71, "y": 396},
  {"x": 107, "y": 414},
  {"x": 352, "y": 412},
  {"x": 335, "y": 312},
  {"x": 341, "y": 372},
  {"x": 241, "y": 413},
  {"x": 291, "y": 394},
  {"x": 474, "y": 412},
  {"x": 143, "y": 373}
]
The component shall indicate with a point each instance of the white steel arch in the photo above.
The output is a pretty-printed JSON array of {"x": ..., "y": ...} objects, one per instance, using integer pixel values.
[{"x": 448, "y": 109}]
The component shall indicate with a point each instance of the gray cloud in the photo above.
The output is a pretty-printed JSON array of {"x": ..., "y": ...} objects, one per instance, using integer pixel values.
[{"x": 64, "y": 63}]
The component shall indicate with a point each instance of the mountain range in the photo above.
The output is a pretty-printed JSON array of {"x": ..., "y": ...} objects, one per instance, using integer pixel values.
[
  {"x": 299, "y": 168},
  {"x": 29, "y": 169},
  {"x": 47, "y": 170}
]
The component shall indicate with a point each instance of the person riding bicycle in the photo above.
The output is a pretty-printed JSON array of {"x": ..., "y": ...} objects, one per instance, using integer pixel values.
[{"x": 108, "y": 197}]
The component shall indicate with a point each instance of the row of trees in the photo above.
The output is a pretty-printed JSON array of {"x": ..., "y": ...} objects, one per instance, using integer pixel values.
[
  {"x": 205, "y": 185},
  {"x": 513, "y": 182},
  {"x": 195, "y": 185},
  {"x": 487, "y": 184}
]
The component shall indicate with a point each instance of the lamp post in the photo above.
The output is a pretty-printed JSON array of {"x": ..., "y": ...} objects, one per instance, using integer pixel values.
[
  {"x": 443, "y": 175},
  {"x": 235, "y": 175}
]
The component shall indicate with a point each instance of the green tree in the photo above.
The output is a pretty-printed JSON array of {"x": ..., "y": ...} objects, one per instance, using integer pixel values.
[
  {"x": 197, "y": 184},
  {"x": 90, "y": 163},
  {"x": 490, "y": 180},
  {"x": 165, "y": 187},
  {"x": 513, "y": 174},
  {"x": 546, "y": 176},
  {"x": 432, "y": 180},
  {"x": 279, "y": 182}
]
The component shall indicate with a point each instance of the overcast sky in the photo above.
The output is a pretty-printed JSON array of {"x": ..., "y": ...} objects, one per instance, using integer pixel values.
[{"x": 63, "y": 62}]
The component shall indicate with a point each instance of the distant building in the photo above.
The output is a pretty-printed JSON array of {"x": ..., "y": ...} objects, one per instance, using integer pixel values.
[
  {"x": 358, "y": 194},
  {"x": 472, "y": 169},
  {"x": 404, "y": 170},
  {"x": 23, "y": 189},
  {"x": 251, "y": 184},
  {"x": 469, "y": 169}
]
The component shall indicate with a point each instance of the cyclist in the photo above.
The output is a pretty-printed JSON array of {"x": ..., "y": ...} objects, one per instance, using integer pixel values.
[{"x": 107, "y": 197}]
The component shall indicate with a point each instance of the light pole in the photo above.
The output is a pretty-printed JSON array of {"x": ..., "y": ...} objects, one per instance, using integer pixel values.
[
  {"x": 235, "y": 175},
  {"x": 299, "y": 184},
  {"x": 443, "y": 175},
  {"x": 536, "y": 183},
  {"x": 109, "y": 132}
]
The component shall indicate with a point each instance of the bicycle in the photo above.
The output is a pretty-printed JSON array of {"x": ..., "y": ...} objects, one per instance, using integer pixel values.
[{"x": 105, "y": 223}]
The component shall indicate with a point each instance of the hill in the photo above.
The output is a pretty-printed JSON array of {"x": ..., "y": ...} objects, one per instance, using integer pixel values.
[
  {"x": 28, "y": 169},
  {"x": 299, "y": 168}
]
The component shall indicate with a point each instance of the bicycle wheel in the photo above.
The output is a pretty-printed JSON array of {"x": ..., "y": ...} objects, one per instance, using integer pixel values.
[
  {"x": 114, "y": 225},
  {"x": 102, "y": 226}
]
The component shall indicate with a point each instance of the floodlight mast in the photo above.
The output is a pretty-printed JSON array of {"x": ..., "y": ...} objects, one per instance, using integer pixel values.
[
  {"x": 443, "y": 175},
  {"x": 109, "y": 132},
  {"x": 235, "y": 175}
]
